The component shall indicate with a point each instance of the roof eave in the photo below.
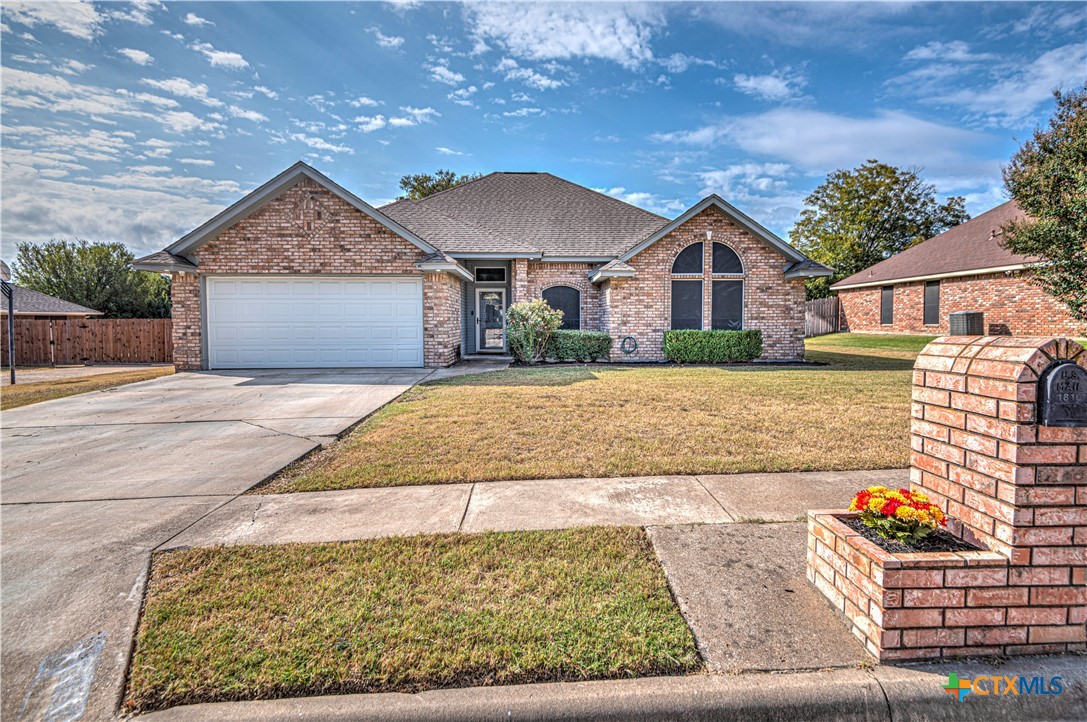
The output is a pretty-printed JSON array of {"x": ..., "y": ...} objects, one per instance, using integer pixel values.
[
  {"x": 810, "y": 273},
  {"x": 732, "y": 212},
  {"x": 607, "y": 275},
  {"x": 164, "y": 267},
  {"x": 442, "y": 267},
  {"x": 256, "y": 199},
  {"x": 843, "y": 286}
]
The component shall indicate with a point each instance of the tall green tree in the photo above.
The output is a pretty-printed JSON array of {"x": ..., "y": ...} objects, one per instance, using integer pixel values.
[
  {"x": 1047, "y": 177},
  {"x": 419, "y": 186},
  {"x": 859, "y": 217},
  {"x": 96, "y": 275}
]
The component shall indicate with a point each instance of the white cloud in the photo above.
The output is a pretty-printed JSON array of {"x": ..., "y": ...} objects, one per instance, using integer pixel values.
[
  {"x": 448, "y": 151},
  {"x": 955, "y": 51},
  {"x": 679, "y": 62},
  {"x": 513, "y": 71},
  {"x": 246, "y": 114},
  {"x": 817, "y": 142},
  {"x": 138, "y": 11},
  {"x": 370, "y": 123},
  {"x": 1020, "y": 90},
  {"x": 197, "y": 161},
  {"x": 364, "y": 102},
  {"x": 139, "y": 57},
  {"x": 415, "y": 116},
  {"x": 462, "y": 96},
  {"x": 522, "y": 112},
  {"x": 386, "y": 41},
  {"x": 78, "y": 19},
  {"x": 221, "y": 58},
  {"x": 649, "y": 201},
  {"x": 71, "y": 67},
  {"x": 183, "y": 88},
  {"x": 318, "y": 143},
  {"x": 443, "y": 74},
  {"x": 742, "y": 178},
  {"x": 194, "y": 19},
  {"x": 267, "y": 92},
  {"x": 545, "y": 31},
  {"x": 776, "y": 86}
]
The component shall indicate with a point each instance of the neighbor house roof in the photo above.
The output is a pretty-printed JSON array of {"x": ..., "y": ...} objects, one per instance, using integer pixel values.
[
  {"x": 545, "y": 214},
  {"x": 970, "y": 248},
  {"x": 32, "y": 303}
]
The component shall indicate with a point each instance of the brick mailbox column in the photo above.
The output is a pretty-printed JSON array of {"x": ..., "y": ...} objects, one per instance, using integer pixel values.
[{"x": 999, "y": 441}]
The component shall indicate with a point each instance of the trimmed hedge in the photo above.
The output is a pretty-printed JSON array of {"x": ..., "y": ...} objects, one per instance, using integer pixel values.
[
  {"x": 578, "y": 345},
  {"x": 712, "y": 347}
]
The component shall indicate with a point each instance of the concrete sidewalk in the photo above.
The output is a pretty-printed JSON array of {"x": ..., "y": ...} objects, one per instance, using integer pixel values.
[
  {"x": 908, "y": 692},
  {"x": 328, "y": 516}
]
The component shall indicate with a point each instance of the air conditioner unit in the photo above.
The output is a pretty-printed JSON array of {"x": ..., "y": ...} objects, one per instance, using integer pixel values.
[{"x": 967, "y": 323}]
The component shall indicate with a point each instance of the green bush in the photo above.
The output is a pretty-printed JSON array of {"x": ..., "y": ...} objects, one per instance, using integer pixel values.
[
  {"x": 529, "y": 326},
  {"x": 578, "y": 345},
  {"x": 712, "y": 347}
]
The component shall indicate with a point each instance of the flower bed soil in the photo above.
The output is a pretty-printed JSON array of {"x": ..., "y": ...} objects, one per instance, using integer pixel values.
[{"x": 938, "y": 541}]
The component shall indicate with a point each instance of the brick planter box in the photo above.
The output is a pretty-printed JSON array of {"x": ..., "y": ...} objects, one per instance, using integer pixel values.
[{"x": 1010, "y": 485}]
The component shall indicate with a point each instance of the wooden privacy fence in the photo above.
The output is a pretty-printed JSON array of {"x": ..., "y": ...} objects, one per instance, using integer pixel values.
[
  {"x": 821, "y": 316},
  {"x": 92, "y": 340}
]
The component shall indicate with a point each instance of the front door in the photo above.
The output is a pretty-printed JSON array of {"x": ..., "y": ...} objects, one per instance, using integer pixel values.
[{"x": 491, "y": 317}]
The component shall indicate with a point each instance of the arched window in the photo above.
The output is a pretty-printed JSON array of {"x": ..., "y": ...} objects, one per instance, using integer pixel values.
[
  {"x": 567, "y": 300},
  {"x": 689, "y": 261},
  {"x": 725, "y": 260},
  {"x": 727, "y": 303}
]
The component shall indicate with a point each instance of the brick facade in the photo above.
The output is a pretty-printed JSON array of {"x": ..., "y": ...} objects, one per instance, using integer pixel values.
[
  {"x": 443, "y": 312},
  {"x": 641, "y": 306},
  {"x": 1010, "y": 302},
  {"x": 542, "y": 276},
  {"x": 309, "y": 230},
  {"x": 1014, "y": 487}
]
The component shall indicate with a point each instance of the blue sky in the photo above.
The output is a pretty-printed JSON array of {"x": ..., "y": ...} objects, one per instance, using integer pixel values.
[{"x": 137, "y": 122}]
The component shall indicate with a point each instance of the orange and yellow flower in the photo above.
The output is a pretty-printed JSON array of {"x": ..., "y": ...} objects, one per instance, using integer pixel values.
[{"x": 900, "y": 513}]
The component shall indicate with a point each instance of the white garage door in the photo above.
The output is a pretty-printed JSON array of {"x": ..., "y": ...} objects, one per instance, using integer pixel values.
[{"x": 314, "y": 322}]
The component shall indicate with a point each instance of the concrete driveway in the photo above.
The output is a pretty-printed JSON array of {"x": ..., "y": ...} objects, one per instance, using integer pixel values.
[{"x": 93, "y": 483}]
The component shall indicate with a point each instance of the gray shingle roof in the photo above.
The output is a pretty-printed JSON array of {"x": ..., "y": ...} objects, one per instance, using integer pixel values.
[
  {"x": 32, "y": 303},
  {"x": 164, "y": 258},
  {"x": 451, "y": 234},
  {"x": 966, "y": 247},
  {"x": 535, "y": 212}
]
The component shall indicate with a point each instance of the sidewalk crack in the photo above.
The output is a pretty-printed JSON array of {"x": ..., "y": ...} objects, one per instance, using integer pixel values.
[
  {"x": 886, "y": 699},
  {"x": 464, "y": 515},
  {"x": 717, "y": 501}
]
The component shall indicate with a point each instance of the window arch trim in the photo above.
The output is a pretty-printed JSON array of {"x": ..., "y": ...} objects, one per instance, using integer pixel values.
[
  {"x": 580, "y": 304},
  {"x": 683, "y": 253},
  {"x": 735, "y": 254}
]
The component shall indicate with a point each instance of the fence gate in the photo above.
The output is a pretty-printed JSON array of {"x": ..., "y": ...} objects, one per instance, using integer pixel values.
[{"x": 821, "y": 316}]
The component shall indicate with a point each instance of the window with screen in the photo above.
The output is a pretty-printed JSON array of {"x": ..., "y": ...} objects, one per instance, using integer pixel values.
[
  {"x": 728, "y": 306},
  {"x": 689, "y": 261},
  {"x": 490, "y": 275},
  {"x": 686, "y": 305},
  {"x": 725, "y": 260},
  {"x": 567, "y": 300},
  {"x": 932, "y": 303},
  {"x": 887, "y": 305}
]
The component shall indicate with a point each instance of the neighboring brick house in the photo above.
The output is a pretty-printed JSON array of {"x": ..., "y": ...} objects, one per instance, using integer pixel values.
[
  {"x": 963, "y": 269},
  {"x": 301, "y": 273}
]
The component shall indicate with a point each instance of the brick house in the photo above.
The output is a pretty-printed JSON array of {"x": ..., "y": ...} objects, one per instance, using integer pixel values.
[
  {"x": 963, "y": 269},
  {"x": 302, "y": 273}
]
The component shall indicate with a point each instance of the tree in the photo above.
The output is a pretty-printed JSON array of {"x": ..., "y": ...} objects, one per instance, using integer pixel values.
[
  {"x": 1047, "y": 177},
  {"x": 96, "y": 275},
  {"x": 859, "y": 217},
  {"x": 419, "y": 186}
]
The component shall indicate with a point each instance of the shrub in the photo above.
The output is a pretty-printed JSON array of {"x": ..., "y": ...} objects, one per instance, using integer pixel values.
[
  {"x": 578, "y": 345},
  {"x": 712, "y": 347},
  {"x": 529, "y": 326},
  {"x": 904, "y": 515}
]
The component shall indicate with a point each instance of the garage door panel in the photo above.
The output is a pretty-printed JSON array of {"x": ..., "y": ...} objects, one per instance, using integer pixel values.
[{"x": 329, "y": 322}]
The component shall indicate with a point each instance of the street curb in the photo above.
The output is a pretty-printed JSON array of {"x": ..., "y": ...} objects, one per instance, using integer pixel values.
[{"x": 882, "y": 693}]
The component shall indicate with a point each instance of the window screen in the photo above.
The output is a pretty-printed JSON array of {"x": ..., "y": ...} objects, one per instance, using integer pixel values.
[
  {"x": 932, "y": 303},
  {"x": 725, "y": 260},
  {"x": 728, "y": 305},
  {"x": 490, "y": 275},
  {"x": 689, "y": 260},
  {"x": 887, "y": 305},
  {"x": 567, "y": 300},
  {"x": 686, "y": 304}
]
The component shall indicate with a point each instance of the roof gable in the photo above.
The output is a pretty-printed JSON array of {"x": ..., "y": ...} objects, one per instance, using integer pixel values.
[
  {"x": 734, "y": 214},
  {"x": 970, "y": 246},
  {"x": 271, "y": 190},
  {"x": 35, "y": 303}
]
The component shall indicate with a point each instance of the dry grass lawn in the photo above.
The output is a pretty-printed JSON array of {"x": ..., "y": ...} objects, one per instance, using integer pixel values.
[
  {"x": 405, "y": 614},
  {"x": 23, "y": 394},
  {"x": 595, "y": 421}
]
